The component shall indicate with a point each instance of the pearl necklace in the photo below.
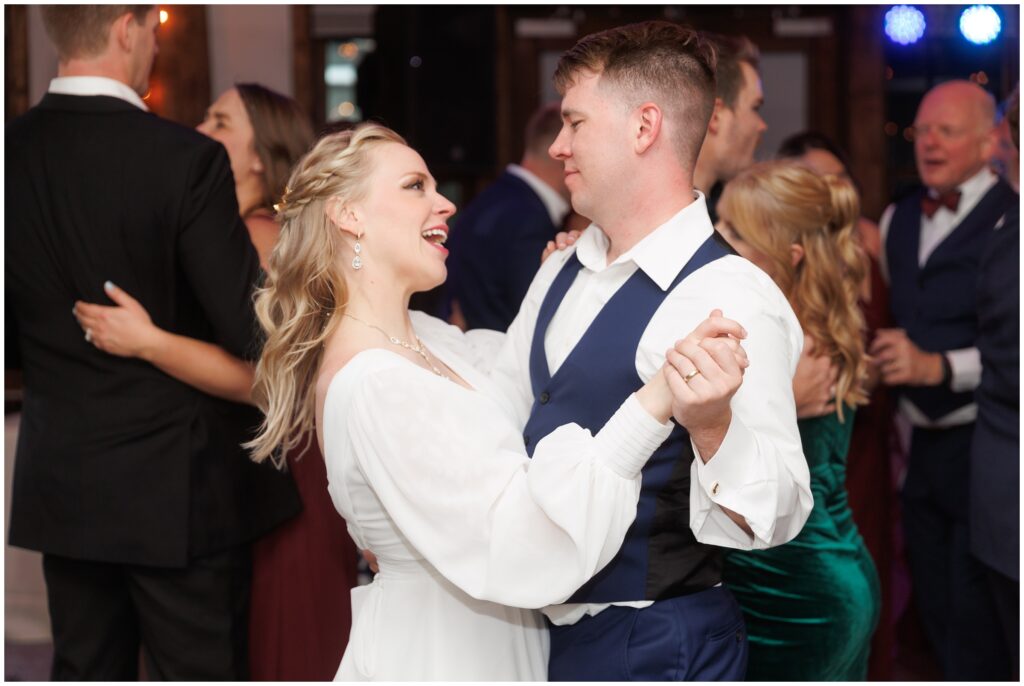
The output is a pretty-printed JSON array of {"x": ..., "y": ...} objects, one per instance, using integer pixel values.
[{"x": 419, "y": 348}]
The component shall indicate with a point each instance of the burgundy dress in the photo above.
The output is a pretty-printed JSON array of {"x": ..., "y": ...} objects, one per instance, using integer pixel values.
[
  {"x": 303, "y": 571},
  {"x": 871, "y": 491}
]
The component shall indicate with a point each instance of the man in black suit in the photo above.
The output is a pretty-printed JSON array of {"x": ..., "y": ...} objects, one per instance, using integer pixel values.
[
  {"x": 995, "y": 449},
  {"x": 132, "y": 485},
  {"x": 497, "y": 240},
  {"x": 933, "y": 243}
]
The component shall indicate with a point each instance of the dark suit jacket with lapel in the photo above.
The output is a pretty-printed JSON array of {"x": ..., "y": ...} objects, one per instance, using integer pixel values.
[
  {"x": 117, "y": 461},
  {"x": 995, "y": 451},
  {"x": 496, "y": 244}
]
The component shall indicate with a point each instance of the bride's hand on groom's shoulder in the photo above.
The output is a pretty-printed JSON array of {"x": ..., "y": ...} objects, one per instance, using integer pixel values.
[{"x": 561, "y": 241}]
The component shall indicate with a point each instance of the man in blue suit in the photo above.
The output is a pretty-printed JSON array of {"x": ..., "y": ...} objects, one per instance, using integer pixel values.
[
  {"x": 497, "y": 240},
  {"x": 994, "y": 514},
  {"x": 934, "y": 241}
]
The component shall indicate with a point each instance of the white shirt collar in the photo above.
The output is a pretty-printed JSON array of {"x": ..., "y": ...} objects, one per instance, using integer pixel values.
[
  {"x": 555, "y": 204},
  {"x": 660, "y": 253},
  {"x": 96, "y": 85},
  {"x": 973, "y": 188}
]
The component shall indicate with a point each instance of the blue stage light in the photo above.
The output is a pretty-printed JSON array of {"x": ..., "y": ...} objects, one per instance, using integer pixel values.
[
  {"x": 904, "y": 24},
  {"x": 980, "y": 24}
]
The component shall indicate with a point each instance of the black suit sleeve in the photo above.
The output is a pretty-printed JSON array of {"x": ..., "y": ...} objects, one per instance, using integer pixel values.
[
  {"x": 999, "y": 314},
  {"x": 523, "y": 260},
  {"x": 12, "y": 350},
  {"x": 218, "y": 258}
]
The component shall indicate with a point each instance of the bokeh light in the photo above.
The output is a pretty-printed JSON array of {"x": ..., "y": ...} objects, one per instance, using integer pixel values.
[
  {"x": 980, "y": 24},
  {"x": 904, "y": 24}
]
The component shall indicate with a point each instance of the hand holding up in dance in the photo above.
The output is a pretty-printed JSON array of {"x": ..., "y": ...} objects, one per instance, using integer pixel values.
[
  {"x": 703, "y": 371},
  {"x": 698, "y": 404}
]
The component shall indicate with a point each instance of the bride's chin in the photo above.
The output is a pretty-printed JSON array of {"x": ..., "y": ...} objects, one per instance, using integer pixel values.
[
  {"x": 438, "y": 278},
  {"x": 429, "y": 280}
]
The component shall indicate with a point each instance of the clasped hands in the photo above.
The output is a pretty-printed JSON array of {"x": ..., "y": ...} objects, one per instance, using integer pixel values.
[
  {"x": 695, "y": 385},
  {"x": 902, "y": 363}
]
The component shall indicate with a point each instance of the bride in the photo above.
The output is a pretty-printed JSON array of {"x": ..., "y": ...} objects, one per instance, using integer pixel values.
[{"x": 424, "y": 459}]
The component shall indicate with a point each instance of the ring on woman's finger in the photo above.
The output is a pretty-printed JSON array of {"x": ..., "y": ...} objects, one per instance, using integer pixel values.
[
  {"x": 88, "y": 336},
  {"x": 692, "y": 374}
]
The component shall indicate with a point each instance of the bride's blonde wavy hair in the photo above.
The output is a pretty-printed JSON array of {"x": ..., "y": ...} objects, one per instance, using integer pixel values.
[
  {"x": 774, "y": 205},
  {"x": 305, "y": 285}
]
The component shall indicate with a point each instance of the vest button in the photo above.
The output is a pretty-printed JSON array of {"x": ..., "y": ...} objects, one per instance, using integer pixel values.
[
  {"x": 544, "y": 398},
  {"x": 526, "y": 440}
]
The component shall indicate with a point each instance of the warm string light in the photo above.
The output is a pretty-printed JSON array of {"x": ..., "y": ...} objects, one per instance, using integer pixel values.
[{"x": 164, "y": 16}]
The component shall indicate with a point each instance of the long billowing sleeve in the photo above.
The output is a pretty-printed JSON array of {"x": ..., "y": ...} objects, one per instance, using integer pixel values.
[{"x": 449, "y": 468}]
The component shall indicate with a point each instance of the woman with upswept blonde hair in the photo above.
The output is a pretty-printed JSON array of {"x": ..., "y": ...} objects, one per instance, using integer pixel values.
[
  {"x": 811, "y": 605},
  {"x": 425, "y": 460}
]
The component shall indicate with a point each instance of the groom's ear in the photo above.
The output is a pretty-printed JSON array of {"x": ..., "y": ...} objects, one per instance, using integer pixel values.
[
  {"x": 648, "y": 121},
  {"x": 343, "y": 215}
]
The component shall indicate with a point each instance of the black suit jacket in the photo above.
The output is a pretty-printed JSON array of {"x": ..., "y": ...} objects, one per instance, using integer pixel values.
[
  {"x": 995, "y": 452},
  {"x": 496, "y": 244},
  {"x": 117, "y": 461}
]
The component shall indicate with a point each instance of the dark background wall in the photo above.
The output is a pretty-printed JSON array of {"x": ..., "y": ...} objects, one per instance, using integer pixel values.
[{"x": 459, "y": 81}]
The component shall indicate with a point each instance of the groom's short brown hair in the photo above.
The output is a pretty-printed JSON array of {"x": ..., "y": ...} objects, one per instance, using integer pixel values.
[{"x": 658, "y": 61}]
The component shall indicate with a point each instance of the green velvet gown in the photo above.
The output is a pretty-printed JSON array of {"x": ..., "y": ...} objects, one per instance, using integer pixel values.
[{"x": 812, "y": 604}]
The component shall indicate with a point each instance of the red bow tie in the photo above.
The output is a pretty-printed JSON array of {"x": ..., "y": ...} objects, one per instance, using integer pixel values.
[{"x": 930, "y": 205}]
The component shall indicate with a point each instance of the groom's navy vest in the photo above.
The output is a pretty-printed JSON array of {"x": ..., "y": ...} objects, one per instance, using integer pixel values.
[
  {"x": 660, "y": 558},
  {"x": 936, "y": 303}
]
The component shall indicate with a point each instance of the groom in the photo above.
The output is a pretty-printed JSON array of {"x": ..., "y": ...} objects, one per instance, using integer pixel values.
[{"x": 596, "y": 324}]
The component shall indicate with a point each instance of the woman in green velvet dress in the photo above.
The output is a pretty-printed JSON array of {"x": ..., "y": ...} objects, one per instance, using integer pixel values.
[{"x": 811, "y": 605}]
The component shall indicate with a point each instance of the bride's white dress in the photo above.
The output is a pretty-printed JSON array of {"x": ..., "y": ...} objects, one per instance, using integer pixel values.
[{"x": 435, "y": 480}]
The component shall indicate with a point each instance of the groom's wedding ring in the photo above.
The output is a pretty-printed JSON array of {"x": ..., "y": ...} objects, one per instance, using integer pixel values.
[
  {"x": 692, "y": 374},
  {"x": 88, "y": 336}
]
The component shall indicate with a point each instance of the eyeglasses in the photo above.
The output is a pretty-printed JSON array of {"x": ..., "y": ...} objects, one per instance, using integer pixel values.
[{"x": 943, "y": 132}]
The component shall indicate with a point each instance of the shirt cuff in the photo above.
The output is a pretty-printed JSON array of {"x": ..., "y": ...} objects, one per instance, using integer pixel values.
[
  {"x": 729, "y": 465},
  {"x": 629, "y": 438},
  {"x": 966, "y": 367},
  {"x": 724, "y": 478}
]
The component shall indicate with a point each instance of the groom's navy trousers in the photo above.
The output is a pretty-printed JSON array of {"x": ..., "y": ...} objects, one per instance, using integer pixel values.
[{"x": 698, "y": 637}]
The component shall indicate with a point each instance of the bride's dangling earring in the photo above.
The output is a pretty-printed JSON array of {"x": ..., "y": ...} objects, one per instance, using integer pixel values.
[{"x": 357, "y": 261}]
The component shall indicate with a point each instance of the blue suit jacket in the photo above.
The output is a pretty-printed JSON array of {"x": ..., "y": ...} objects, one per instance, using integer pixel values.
[
  {"x": 995, "y": 452},
  {"x": 496, "y": 243}
]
